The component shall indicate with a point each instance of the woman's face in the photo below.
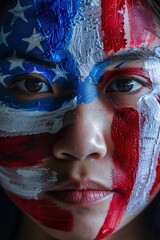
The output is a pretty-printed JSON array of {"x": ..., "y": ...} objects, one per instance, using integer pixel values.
[{"x": 79, "y": 91}]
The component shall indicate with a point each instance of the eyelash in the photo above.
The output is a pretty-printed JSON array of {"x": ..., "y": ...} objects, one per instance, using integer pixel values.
[
  {"x": 20, "y": 84},
  {"x": 111, "y": 86}
]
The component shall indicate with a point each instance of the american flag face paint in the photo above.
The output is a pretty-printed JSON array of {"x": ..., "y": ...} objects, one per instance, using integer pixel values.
[{"x": 58, "y": 58}]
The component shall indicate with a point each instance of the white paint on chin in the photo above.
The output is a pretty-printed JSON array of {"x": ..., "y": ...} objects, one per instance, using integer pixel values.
[
  {"x": 21, "y": 122},
  {"x": 149, "y": 122},
  {"x": 86, "y": 44},
  {"x": 27, "y": 182}
]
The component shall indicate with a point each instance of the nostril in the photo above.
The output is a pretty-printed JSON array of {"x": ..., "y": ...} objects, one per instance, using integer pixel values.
[
  {"x": 64, "y": 156},
  {"x": 94, "y": 156}
]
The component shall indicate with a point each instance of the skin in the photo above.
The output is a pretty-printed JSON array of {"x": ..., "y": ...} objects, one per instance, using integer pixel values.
[{"x": 86, "y": 152}]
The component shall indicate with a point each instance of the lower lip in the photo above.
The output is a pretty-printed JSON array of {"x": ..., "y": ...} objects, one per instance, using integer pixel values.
[{"x": 81, "y": 197}]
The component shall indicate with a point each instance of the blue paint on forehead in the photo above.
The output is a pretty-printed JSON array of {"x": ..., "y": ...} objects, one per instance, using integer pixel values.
[
  {"x": 42, "y": 28},
  {"x": 55, "y": 21}
]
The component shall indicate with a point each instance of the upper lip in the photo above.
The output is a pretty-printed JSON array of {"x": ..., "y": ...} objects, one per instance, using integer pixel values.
[{"x": 81, "y": 185}]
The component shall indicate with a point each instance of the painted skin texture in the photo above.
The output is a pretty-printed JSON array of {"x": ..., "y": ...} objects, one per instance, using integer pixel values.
[{"x": 62, "y": 51}]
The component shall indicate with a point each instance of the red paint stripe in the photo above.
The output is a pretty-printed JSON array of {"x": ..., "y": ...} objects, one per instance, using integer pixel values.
[
  {"x": 109, "y": 75},
  {"x": 125, "y": 135},
  {"x": 141, "y": 22},
  {"x": 113, "y": 25},
  {"x": 21, "y": 151},
  {"x": 46, "y": 212}
]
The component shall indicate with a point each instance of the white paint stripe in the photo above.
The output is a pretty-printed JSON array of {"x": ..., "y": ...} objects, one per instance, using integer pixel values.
[
  {"x": 20, "y": 122},
  {"x": 86, "y": 44},
  {"x": 149, "y": 121},
  {"x": 149, "y": 109},
  {"x": 27, "y": 182},
  {"x": 127, "y": 26}
]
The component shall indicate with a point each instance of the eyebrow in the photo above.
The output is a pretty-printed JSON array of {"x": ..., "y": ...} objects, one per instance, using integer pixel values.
[
  {"x": 133, "y": 55},
  {"x": 36, "y": 60},
  {"x": 128, "y": 55},
  {"x": 123, "y": 56},
  {"x": 40, "y": 61}
]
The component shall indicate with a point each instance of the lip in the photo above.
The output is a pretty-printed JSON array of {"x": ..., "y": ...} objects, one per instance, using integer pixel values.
[
  {"x": 80, "y": 193},
  {"x": 80, "y": 197}
]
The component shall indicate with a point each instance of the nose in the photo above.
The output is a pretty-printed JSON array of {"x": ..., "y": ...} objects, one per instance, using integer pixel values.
[{"x": 84, "y": 138}]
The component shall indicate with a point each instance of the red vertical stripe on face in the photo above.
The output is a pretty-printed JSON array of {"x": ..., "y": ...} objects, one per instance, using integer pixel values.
[
  {"x": 125, "y": 135},
  {"x": 113, "y": 25},
  {"x": 46, "y": 212}
]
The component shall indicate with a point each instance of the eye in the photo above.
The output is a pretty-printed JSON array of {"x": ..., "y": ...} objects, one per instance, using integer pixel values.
[
  {"x": 30, "y": 84},
  {"x": 124, "y": 85}
]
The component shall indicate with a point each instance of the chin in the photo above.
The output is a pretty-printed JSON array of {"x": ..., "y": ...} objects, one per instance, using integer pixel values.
[{"x": 86, "y": 227}]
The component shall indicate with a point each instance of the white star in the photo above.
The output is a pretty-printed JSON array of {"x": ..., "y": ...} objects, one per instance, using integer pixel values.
[
  {"x": 3, "y": 37},
  {"x": 34, "y": 41},
  {"x": 15, "y": 62},
  {"x": 36, "y": 71},
  {"x": 2, "y": 78},
  {"x": 18, "y": 12},
  {"x": 58, "y": 73}
]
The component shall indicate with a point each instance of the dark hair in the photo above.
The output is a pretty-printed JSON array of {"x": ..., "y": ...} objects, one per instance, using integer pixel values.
[{"x": 155, "y": 5}]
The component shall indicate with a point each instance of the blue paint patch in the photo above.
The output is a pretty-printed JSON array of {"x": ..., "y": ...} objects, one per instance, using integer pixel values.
[
  {"x": 98, "y": 70},
  {"x": 8, "y": 99},
  {"x": 55, "y": 20},
  {"x": 19, "y": 25}
]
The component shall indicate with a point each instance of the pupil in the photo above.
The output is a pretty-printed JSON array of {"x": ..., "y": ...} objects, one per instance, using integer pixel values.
[
  {"x": 124, "y": 85},
  {"x": 33, "y": 85}
]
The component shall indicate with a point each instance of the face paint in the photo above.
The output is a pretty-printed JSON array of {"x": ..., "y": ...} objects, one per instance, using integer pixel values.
[
  {"x": 86, "y": 43},
  {"x": 66, "y": 43},
  {"x": 118, "y": 23},
  {"x": 46, "y": 212},
  {"x": 125, "y": 166},
  {"x": 27, "y": 182},
  {"x": 25, "y": 150},
  {"x": 25, "y": 122},
  {"x": 149, "y": 109}
]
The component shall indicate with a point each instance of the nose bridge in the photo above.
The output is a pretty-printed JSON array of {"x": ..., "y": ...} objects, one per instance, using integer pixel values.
[
  {"x": 86, "y": 123},
  {"x": 84, "y": 138}
]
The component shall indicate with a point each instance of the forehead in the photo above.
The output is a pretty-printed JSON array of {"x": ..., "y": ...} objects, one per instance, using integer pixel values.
[{"x": 74, "y": 33}]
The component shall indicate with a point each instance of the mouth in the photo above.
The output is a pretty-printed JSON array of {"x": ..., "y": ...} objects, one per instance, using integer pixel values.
[
  {"x": 82, "y": 193},
  {"x": 80, "y": 197}
]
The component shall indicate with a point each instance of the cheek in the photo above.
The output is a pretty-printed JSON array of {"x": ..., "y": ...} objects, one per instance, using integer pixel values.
[
  {"x": 46, "y": 213},
  {"x": 25, "y": 153},
  {"x": 22, "y": 151},
  {"x": 125, "y": 135}
]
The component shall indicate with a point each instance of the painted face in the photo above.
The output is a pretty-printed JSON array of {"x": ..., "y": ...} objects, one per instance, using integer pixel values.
[{"x": 79, "y": 113}]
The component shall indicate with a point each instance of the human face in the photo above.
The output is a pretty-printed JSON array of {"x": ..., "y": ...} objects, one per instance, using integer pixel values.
[{"x": 79, "y": 113}]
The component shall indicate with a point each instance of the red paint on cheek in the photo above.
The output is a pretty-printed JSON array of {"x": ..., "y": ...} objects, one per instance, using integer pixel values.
[
  {"x": 46, "y": 212},
  {"x": 21, "y": 151},
  {"x": 125, "y": 136},
  {"x": 120, "y": 19}
]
